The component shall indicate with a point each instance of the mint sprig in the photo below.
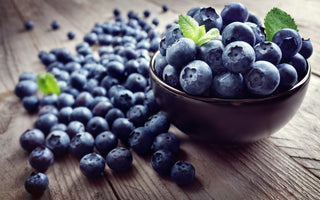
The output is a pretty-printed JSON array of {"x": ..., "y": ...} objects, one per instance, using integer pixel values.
[
  {"x": 191, "y": 29},
  {"x": 48, "y": 84},
  {"x": 277, "y": 19}
]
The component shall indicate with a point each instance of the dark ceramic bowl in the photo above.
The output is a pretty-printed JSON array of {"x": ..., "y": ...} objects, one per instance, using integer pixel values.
[{"x": 228, "y": 121}]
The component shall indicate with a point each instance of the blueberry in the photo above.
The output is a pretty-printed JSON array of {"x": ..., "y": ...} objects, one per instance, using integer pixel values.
[
  {"x": 92, "y": 165},
  {"x": 209, "y": 18},
  {"x": 72, "y": 66},
  {"x": 91, "y": 38},
  {"x": 238, "y": 31},
  {"x": 90, "y": 85},
  {"x": 196, "y": 77},
  {"x": 58, "y": 142},
  {"x": 81, "y": 144},
  {"x": 99, "y": 91},
  {"x": 113, "y": 114},
  {"x": 122, "y": 128},
  {"x": 306, "y": 48},
  {"x": 181, "y": 53},
  {"x": 28, "y": 76},
  {"x": 288, "y": 76},
  {"x": 45, "y": 122},
  {"x": 182, "y": 173},
  {"x": 71, "y": 35},
  {"x": 55, "y": 25},
  {"x": 116, "y": 12},
  {"x": 262, "y": 79},
  {"x": 59, "y": 127},
  {"x": 48, "y": 58},
  {"x": 193, "y": 11},
  {"x": 78, "y": 80},
  {"x": 167, "y": 141},
  {"x": 74, "y": 128},
  {"x": 29, "y": 25},
  {"x": 25, "y": 88},
  {"x": 211, "y": 53},
  {"x": 119, "y": 159},
  {"x": 146, "y": 13},
  {"x": 102, "y": 108},
  {"x": 254, "y": 19},
  {"x": 150, "y": 102},
  {"x": 138, "y": 98},
  {"x": 48, "y": 109},
  {"x": 289, "y": 42},
  {"x": 268, "y": 51},
  {"x": 170, "y": 75},
  {"x": 228, "y": 85},
  {"x": 31, "y": 138},
  {"x": 165, "y": 8},
  {"x": 162, "y": 161},
  {"x": 131, "y": 67},
  {"x": 84, "y": 99},
  {"x": 63, "y": 55},
  {"x": 234, "y": 12},
  {"x": 49, "y": 99},
  {"x": 155, "y": 22},
  {"x": 140, "y": 140},
  {"x": 123, "y": 99},
  {"x": 238, "y": 57},
  {"x": 36, "y": 183},
  {"x": 300, "y": 64},
  {"x": 31, "y": 103},
  {"x": 115, "y": 69},
  {"x": 157, "y": 123},
  {"x": 258, "y": 31},
  {"x": 96, "y": 125},
  {"x": 171, "y": 36},
  {"x": 65, "y": 100},
  {"x": 136, "y": 82},
  {"x": 143, "y": 67},
  {"x": 82, "y": 114},
  {"x": 82, "y": 45},
  {"x": 105, "y": 142},
  {"x": 41, "y": 158},
  {"x": 137, "y": 114}
]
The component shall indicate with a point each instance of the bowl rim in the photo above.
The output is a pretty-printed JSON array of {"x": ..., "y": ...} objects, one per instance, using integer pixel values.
[{"x": 303, "y": 81}]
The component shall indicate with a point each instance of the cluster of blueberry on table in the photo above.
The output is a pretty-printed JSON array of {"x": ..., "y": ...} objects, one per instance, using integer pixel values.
[{"x": 105, "y": 108}]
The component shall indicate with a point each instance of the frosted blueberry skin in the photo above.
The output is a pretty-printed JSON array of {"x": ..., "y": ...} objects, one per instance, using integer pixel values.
[
  {"x": 135, "y": 82},
  {"x": 193, "y": 11},
  {"x": 119, "y": 159},
  {"x": 262, "y": 79},
  {"x": 234, "y": 12},
  {"x": 82, "y": 114},
  {"x": 58, "y": 142},
  {"x": 122, "y": 128},
  {"x": 31, "y": 103},
  {"x": 288, "y": 76},
  {"x": 36, "y": 183},
  {"x": 209, "y": 18},
  {"x": 159, "y": 64},
  {"x": 140, "y": 140},
  {"x": 181, "y": 52},
  {"x": 41, "y": 158},
  {"x": 268, "y": 51},
  {"x": 196, "y": 77},
  {"x": 171, "y": 36},
  {"x": 74, "y": 127},
  {"x": 96, "y": 125},
  {"x": 228, "y": 85},
  {"x": 182, "y": 173},
  {"x": 138, "y": 114},
  {"x": 157, "y": 123},
  {"x": 162, "y": 161},
  {"x": 30, "y": 139},
  {"x": 46, "y": 122},
  {"x": 123, "y": 100},
  {"x": 238, "y": 31},
  {"x": 102, "y": 108},
  {"x": 167, "y": 141},
  {"x": 92, "y": 165},
  {"x": 170, "y": 75},
  {"x": 289, "y": 42},
  {"x": 238, "y": 57},
  {"x": 65, "y": 100},
  {"x": 258, "y": 32},
  {"x": 105, "y": 142},
  {"x": 81, "y": 144},
  {"x": 306, "y": 48}
]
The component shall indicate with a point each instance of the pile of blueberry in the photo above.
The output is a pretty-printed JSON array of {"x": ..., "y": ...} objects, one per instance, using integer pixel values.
[
  {"x": 241, "y": 63},
  {"x": 104, "y": 99}
]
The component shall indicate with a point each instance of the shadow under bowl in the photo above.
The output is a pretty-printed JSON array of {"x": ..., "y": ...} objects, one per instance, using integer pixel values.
[{"x": 228, "y": 121}]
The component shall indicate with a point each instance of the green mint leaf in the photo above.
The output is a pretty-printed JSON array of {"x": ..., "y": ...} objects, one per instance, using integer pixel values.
[
  {"x": 211, "y": 34},
  {"x": 48, "y": 84},
  {"x": 202, "y": 31},
  {"x": 277, "y": 19},
  {"x": 189, "y": 27}
]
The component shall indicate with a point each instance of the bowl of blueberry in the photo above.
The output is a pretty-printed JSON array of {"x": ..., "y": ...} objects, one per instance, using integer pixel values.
[{"x": 226, "y": 77}]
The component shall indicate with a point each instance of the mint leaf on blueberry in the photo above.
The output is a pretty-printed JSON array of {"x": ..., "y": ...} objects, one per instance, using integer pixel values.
[
  {"x": 191, "y": 29},
  {"x": 277, "y": 19},
  {"x": 48, "y": 84}
]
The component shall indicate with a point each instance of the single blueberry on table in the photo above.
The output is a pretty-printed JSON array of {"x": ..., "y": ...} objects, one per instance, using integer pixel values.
[
  {"x": 306, "y": 48},
  {"x": 289, "y": 42},
  {"x": 140, "y": 140},
  {"x": 45, "y": 122},
  {"x": 58, "y": 142},
  {"x": 41, "y": 158},
  {"x": 288, "y": 76},
  {"x": 31, "y": 138},
  {"x": 146, "y": 13},
  {"x": 228, "y": 85},
  {"x": 25, "y": 88},
  {"x": 262, "y": 79},
  {"x": 268, "y": 51},
  {"x": 162, "y": 161},
  {"x": 55, "y": 25},
  {"x": 119, "y": 159},
  {"x": 167, "y": 141},
  {"x": 116, "y": 12},
  {"x": 36, "y": 183},
  {"x": 92, "y": 165},
  {"x": 29, "y": 25},
  {"x": 182, "y": 173},
  {"x": 238, "y": 31},
  {"x": 31, "y": 103},
  {"x": 165, "y": 8},
  {"x": 81, "y": 144},
  {"x": 74, "y": 128},
  {"x": 105, "y": 142},
  {"x": 196, "y": 77},
  {"x": 97, "y": 125},
  {"x": 155, "y": 22},
  {"x": 234, "y": 12},
  {"x": 238, "y": 57},
  {"x": 71, "y": 35}
]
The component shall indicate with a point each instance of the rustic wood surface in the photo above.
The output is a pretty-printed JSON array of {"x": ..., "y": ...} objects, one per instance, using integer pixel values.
[{"x": 284, "y": 166}]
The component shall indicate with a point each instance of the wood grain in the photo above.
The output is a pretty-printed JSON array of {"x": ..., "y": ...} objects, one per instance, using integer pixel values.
[{"x": 285, "y": 166}]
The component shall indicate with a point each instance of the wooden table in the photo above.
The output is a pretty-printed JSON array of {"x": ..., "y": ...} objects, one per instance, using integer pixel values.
[{"x": 284, "y": 166}]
